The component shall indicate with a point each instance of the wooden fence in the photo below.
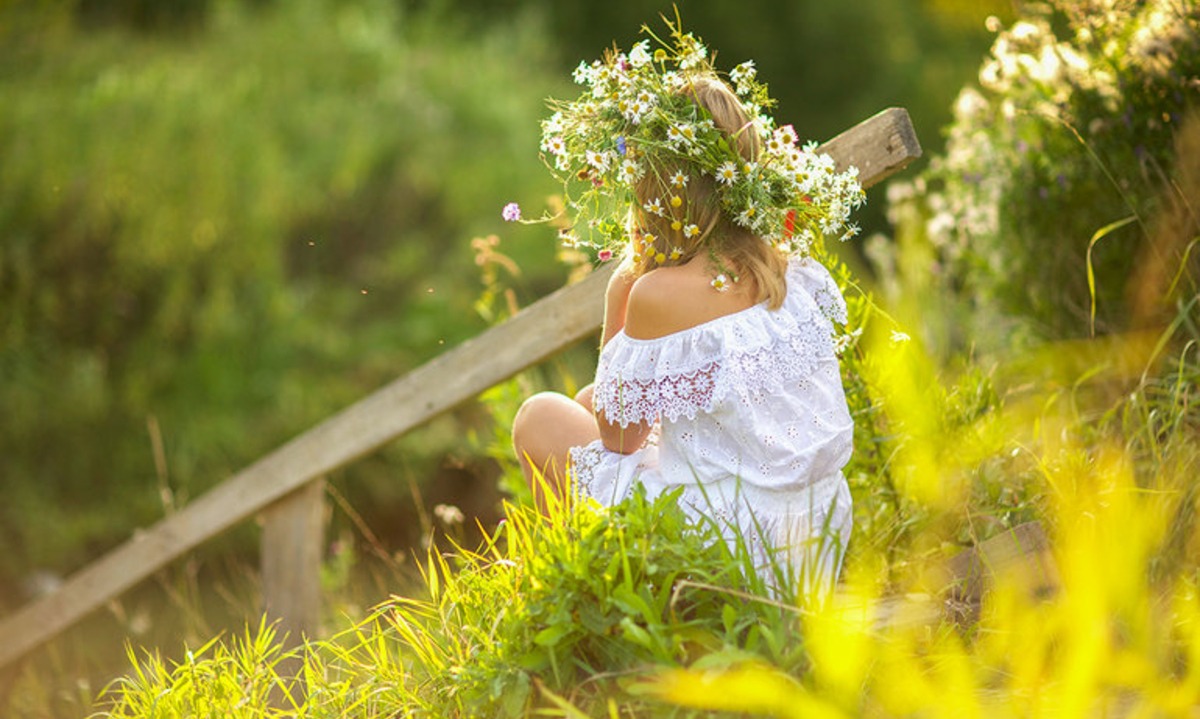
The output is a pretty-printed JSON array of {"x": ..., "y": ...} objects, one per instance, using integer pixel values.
[{"x": 286, "y": 486}]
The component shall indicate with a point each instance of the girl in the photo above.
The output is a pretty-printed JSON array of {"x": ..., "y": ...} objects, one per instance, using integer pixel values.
[{"x": 717, "y": 370}]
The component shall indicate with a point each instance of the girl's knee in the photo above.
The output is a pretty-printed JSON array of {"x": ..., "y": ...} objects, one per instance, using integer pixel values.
[
  {"x": 535, "y": 409},
  {"x": 538, "y": 416},
  {"x": 584, "y": 397}
]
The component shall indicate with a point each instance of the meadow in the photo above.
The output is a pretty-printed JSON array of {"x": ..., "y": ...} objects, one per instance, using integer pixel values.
[{"x": 1023, "y": 345}]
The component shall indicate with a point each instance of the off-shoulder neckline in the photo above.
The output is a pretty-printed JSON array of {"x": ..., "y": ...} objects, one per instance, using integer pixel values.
[{"x": 707, "y": 324}]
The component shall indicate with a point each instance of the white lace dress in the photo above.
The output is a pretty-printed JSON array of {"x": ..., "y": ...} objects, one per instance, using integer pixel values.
[{"x": 752, "y": 422}]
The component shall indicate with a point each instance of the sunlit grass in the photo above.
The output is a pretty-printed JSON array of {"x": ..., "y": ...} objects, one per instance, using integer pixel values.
[{"x": 630, "y": 613}]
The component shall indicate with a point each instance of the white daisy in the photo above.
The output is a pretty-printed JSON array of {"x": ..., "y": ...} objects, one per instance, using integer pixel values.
[
  {"x": 639, "y": 55},
  {"x": 654, "y": 207},
  {"x": 694, "y": 53},
  {"x": 743, "y": 76},
  {"x": 749, "y": 217},
  {"x": 631, "y": 171},
  {"x": 679, "y": 179},
  {"x": 726, "y": 173},
  {"x": 585, "y": 74},
  {"x": 676, "y": 136},
  {"x": 787, "y": 134},
  {"x": 598, "y": 160},
  {"x": 635, "y": 110}
]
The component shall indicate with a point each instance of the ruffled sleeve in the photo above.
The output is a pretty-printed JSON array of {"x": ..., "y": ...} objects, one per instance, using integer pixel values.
[
  {"x": 752, "y": 351},
  {"x": 820, "y": 286},
  {"x": 670, "y": 377}
]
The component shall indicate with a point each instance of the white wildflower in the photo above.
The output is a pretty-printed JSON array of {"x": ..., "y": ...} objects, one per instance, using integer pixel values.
[
  {"x": 693, "y": 55},
  {"x": 726, "y": 173},
  {"x": 639, "y": 55},
  {"x": 598, "y": 160},
  {"x": 749, "y": 217},
  {"x": 448, "y": 514},
  {"x": 585, "y": 74},
  {"x": 631, "y": 171},
  {"x": 743, "y": 76}
]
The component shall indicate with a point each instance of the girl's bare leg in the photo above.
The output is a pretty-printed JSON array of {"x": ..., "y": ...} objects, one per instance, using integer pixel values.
[
  {"x": 584, "y": 397},
  {"x": 545, "y": 428}
]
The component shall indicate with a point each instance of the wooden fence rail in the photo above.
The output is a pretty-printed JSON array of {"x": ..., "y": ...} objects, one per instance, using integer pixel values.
[{"x": 285, "y": 484}]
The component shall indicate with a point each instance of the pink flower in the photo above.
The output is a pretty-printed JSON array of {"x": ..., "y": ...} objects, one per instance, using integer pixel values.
[
  {"x": 511, "y": 212},
  {"x": 604, "y": 255}
]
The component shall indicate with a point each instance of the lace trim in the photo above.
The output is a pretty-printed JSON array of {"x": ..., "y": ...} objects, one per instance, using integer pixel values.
[
  {"x": 629, "y": 401},
  {"x": 751, "y": 375},
  {"x": 584, "y": 461}
]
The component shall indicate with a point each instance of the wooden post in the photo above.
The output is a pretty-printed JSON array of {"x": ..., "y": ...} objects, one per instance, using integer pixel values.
[
  {"x": 1021, "y": 554},
  {"x": 292, "y": 539}
]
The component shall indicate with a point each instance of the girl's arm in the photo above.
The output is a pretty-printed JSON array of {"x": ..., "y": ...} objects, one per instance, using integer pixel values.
[
  {"x": 615, "y": 437},
  {"x": 616, "y": 301},
  {"x": 622, "y": 440}
]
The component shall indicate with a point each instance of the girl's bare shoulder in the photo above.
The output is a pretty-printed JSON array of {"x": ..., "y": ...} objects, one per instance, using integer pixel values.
[{"x": 672, "y": 299}]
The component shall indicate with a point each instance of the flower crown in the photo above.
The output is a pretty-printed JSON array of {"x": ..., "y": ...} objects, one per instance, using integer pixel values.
[{"x": 637, "y": 118}]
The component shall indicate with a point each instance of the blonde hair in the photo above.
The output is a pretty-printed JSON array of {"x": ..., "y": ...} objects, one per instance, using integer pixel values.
[{"x": 660, "y": 240}]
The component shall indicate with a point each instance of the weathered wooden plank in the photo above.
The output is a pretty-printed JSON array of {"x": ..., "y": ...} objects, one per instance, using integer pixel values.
[
  {"x": 541, "y": 330},
  {"x": 879, "y": 147}
]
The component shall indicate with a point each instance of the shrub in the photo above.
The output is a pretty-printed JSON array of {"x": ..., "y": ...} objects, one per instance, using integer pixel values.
[{"x": 1059, "y": 162}]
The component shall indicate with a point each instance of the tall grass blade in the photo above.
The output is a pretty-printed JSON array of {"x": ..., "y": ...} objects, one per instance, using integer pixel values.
[{"x": 1091, "y": 273}]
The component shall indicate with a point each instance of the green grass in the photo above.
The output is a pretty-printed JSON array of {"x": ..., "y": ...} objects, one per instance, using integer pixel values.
[{"x": 633, "y": 612}]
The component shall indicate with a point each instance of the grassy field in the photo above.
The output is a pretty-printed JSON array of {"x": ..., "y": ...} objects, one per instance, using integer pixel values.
[
  {"x": 628, "y": 613},
  {"x": 1024, "y": 346}
]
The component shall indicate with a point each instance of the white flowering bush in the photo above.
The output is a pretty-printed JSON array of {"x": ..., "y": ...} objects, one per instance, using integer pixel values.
[{"x": 1059, "y": 160}]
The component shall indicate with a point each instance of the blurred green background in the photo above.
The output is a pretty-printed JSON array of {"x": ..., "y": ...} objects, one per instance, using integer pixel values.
[{"x": 222, "y": 220}]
